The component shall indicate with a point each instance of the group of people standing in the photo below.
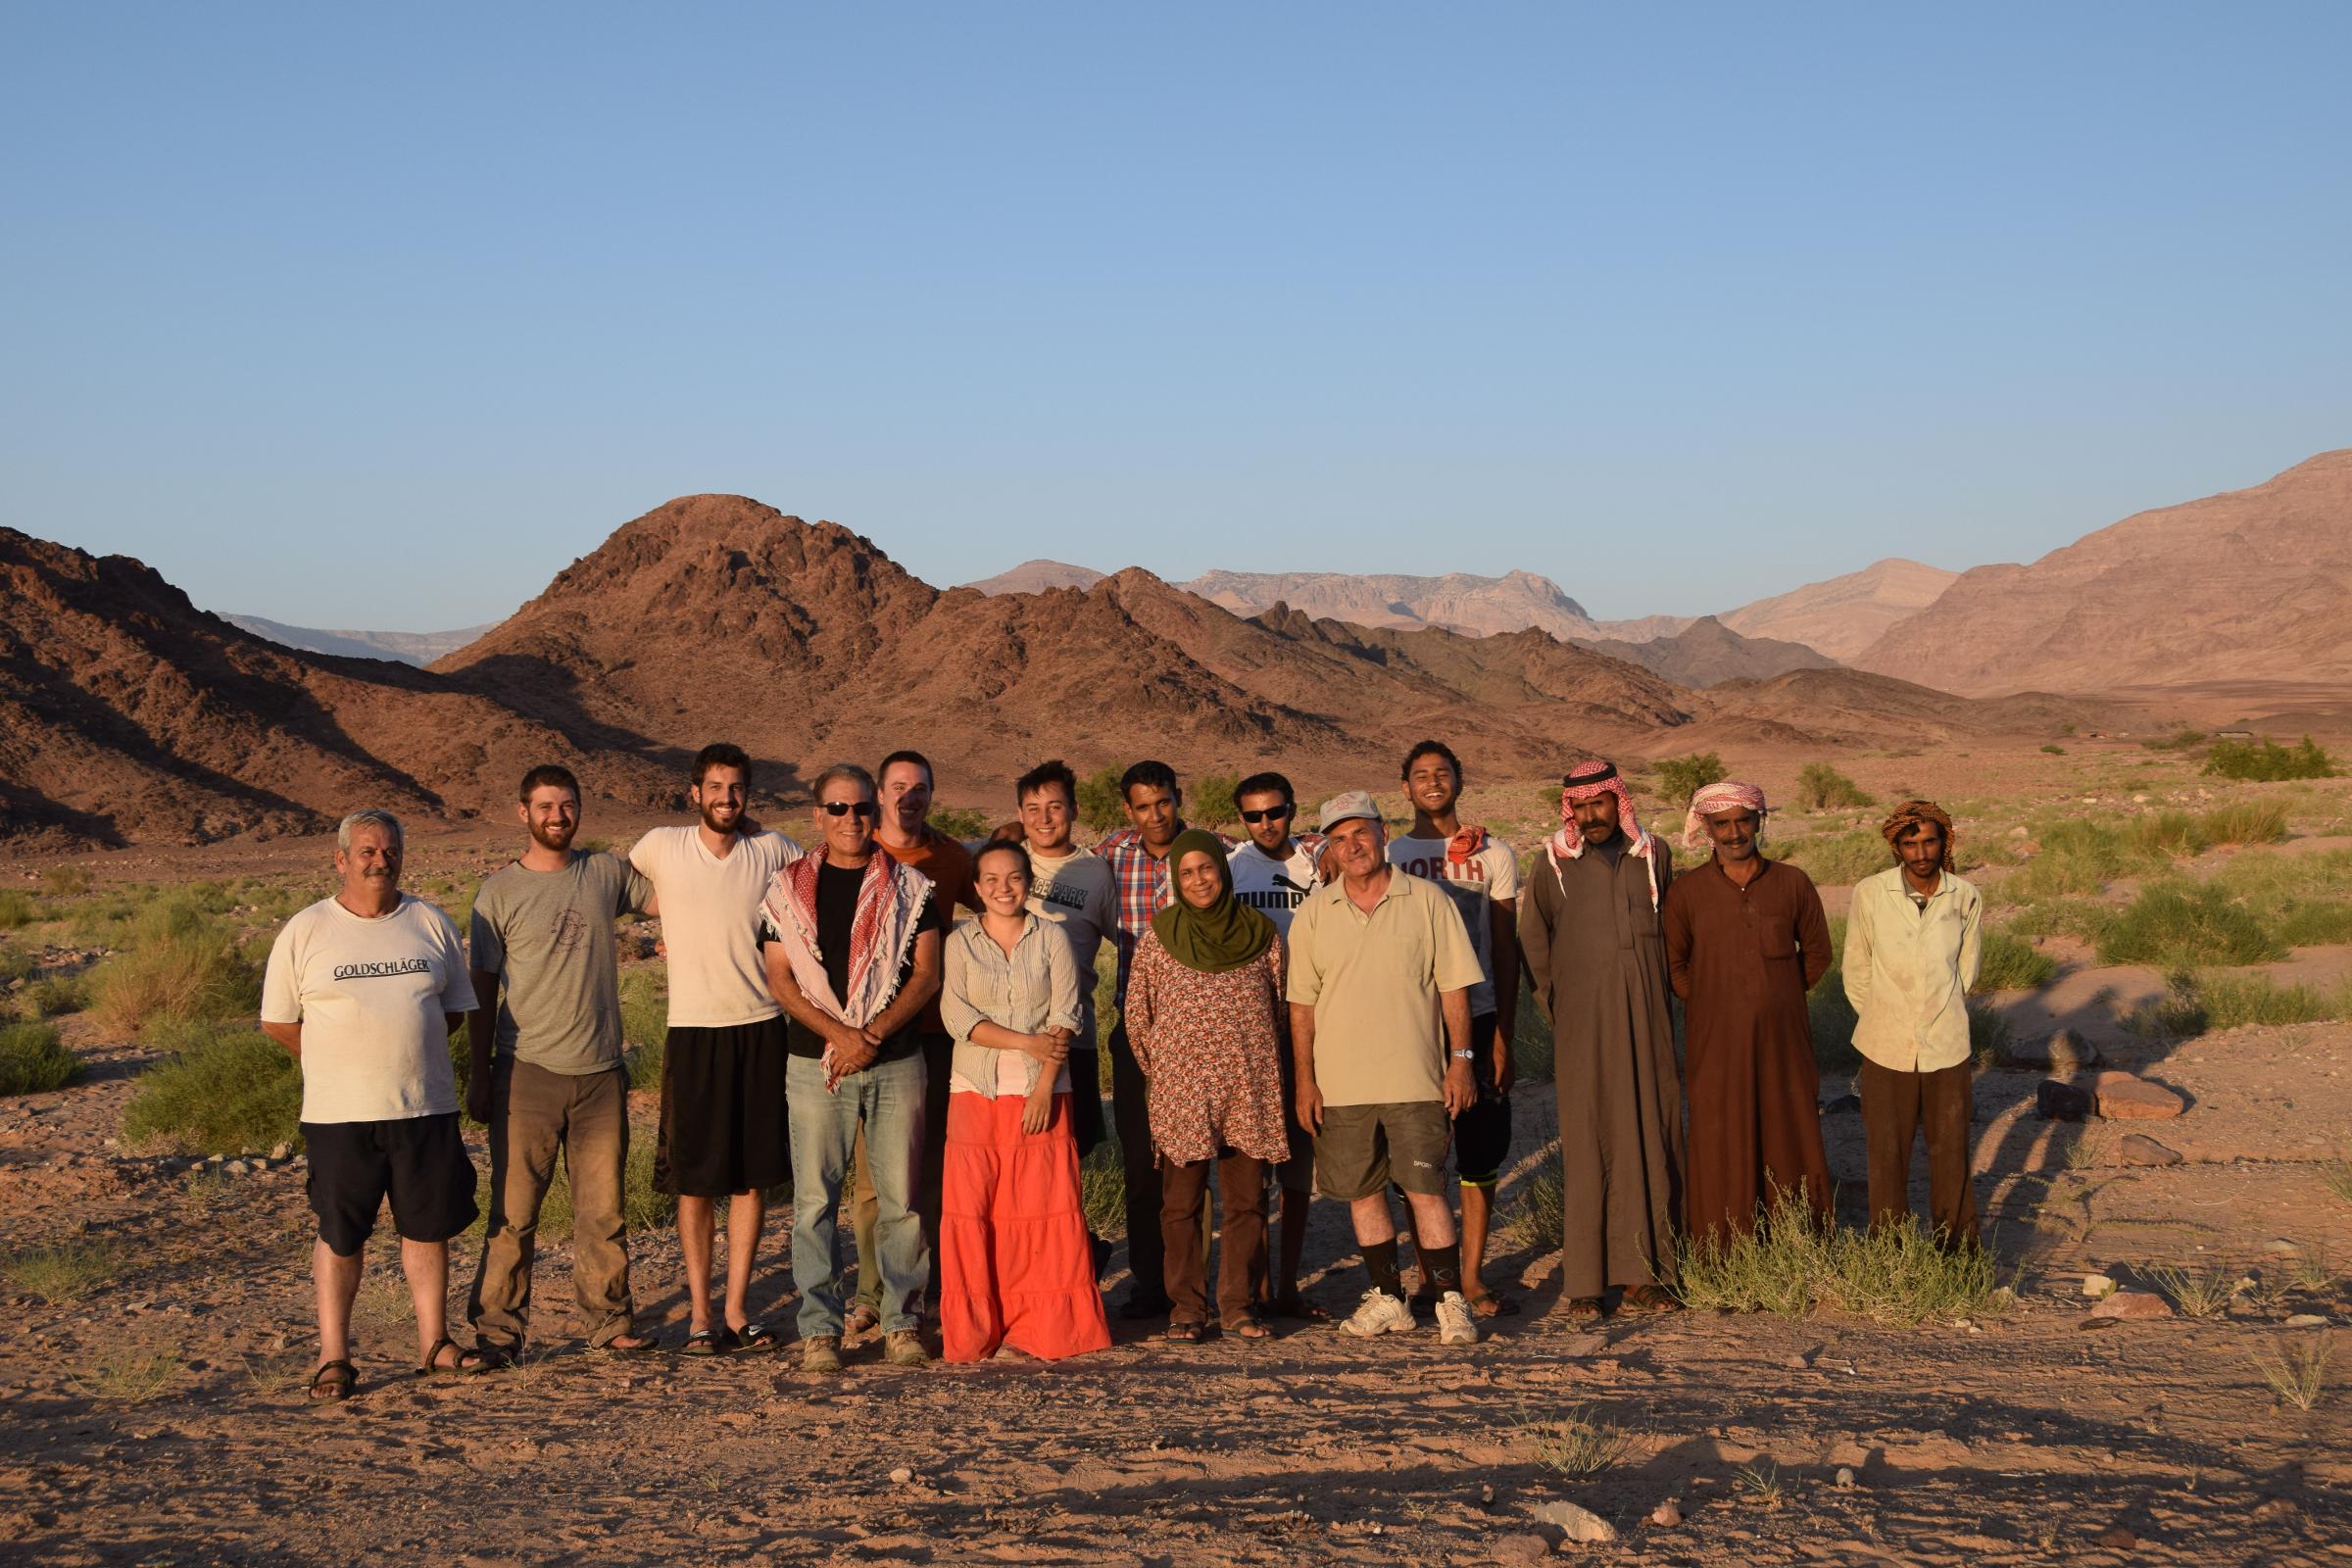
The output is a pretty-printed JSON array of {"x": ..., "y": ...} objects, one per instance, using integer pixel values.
[{"x": 903, "y": 1020}]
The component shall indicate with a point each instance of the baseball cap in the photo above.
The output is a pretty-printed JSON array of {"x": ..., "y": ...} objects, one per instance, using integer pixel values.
[{"x": 1347, "y": 807}]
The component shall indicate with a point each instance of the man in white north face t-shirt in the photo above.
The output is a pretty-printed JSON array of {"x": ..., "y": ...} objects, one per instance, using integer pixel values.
[
  {"x": 1075, "y": 889},
  {"x": 1482, "y": 872},
  {"x": 723, "y": 1131},
  {"x": 1274, "y": 873}
]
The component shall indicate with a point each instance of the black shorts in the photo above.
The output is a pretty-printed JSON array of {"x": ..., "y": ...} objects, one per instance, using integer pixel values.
[
  {"x": 724, "y": 1126},
  {"x": 419, "y": 1163},
  {"x": 1482, "y": 1135}
]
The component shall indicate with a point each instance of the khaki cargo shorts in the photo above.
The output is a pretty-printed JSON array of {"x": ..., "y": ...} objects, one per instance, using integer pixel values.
[{"x": 1363, "y": 1147}]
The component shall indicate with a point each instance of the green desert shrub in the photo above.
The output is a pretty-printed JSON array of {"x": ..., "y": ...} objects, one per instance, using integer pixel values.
[
  {"x": 1530, "y": 1039},
  {"x": 1681, "y": 778},
  {"x": 20, "y": 908},
  {"x": 65, "y": 1272},
  {"x": 963, "y": 821},
  {"x": 1209, "y": 799},
  {"x": 32, "y": 1060},
  {"x": 2166, "y": 836},
  {"x": 221, "y": 1091},
  {"x": 1830, "y": 1016},
  {"x": 2195, "y": 1004},
  {"x": 1103, "y": 1190},
  {"x": 1837, "y": 859},
  {"x": 2075, "y": 856},
  {"x": 67, "y": 881},
  {"x": 2265, "y": 761},
  {"x": 1988, "y": 1031},
  {"x": 1100, "y": 804},
  {"x": 1539, "y": 1219},
  {"x": 2053, "y": 748},
  {"x": 184, "y": 965},
  {"x": 645, "y": 1023},
  {"x": 2184, "y": 926},
  {"x": 1822, "y": 787},
  {"x": 2179, "y": 741},
  {"x": 2012, "y": 963},
  {"x": 1792, "y": 1268},
  {"x": 54, "y": 996},
  {"x": 2246, "y": 822}
]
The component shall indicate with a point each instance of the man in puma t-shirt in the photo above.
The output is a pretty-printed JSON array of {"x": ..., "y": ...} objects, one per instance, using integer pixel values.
[{"x": 1274, "y": 873}]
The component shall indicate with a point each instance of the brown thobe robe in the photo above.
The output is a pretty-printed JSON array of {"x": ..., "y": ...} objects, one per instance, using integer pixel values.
[
  {"x": 1596, "y": 953},
  {"x": 1742, "y": 959}
]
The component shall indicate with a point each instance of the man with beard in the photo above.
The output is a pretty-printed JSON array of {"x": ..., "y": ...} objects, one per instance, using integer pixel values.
[
  {"x": 1597, "y": 953},
  {"x": 548, "y": 1077},
  {"x": 1746, "y": 939},
  {"x": 364, "y": 989},
  {"x": 1482, "y": 873},
  {"x": 724, "y": 1132},
  {"x": 1273, "y": 874},
  {"x": 1914, "y": 939}
]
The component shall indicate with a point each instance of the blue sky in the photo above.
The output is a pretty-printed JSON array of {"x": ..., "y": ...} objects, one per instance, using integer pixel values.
[{"x": 379, "y": 317}]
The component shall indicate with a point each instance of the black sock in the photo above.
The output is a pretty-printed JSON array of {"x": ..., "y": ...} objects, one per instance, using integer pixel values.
[
  {"x": 1380, "y": 1261},
  {"x": 1442, "y": 1268}
]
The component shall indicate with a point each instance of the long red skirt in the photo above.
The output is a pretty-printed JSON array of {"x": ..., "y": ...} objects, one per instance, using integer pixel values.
[{"x": 1015, "y": 1265}]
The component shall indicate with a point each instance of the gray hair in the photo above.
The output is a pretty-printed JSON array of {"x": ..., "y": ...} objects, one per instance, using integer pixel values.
[
  {"x": 368, "y": 816},
  {"x": 841, "y": 770}
]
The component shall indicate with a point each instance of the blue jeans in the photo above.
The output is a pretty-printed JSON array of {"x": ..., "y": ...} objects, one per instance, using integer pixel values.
[{"x": 888, "y": 1097}]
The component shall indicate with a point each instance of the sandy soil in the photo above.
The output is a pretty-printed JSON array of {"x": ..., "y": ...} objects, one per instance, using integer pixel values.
[{"x": 2022, "y": 1437}]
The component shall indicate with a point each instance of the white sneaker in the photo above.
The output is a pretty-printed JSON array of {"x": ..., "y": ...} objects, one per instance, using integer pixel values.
[
  {"x": 1380, "y": 1313},
  {"x": 1455, "y": 1325}
]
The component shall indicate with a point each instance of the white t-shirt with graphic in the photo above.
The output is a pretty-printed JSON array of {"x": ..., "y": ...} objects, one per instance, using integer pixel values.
[
  {"x": 373, "y": 995},
  {"x": 1273, "y": 888},
  {"x": 710, "y": 914},
  {"x": 1080, "y": 894},
  {"x": 1492, "y": 873}
]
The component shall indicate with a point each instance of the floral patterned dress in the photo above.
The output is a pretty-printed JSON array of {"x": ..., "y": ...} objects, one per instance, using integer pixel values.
[{"x": 1211, "y": 1045}]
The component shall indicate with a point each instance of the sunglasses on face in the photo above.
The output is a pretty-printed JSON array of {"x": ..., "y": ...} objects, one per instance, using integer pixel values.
[
  {"x": 1277, "y": 813},
  {"x": 865, "y": 809}
]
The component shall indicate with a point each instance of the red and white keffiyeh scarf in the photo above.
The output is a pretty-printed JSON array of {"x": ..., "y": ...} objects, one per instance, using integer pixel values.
[
  {"x": 1585, "y": 782},
  {"x": 1714, "y": 800},
  {"x": 890, "y": 900}
]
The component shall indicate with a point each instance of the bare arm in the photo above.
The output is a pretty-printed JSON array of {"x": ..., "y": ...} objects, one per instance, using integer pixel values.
[
  {"x": 1505, "y": 949},
  {"x": 1461, "y": 1087},
  {"x": 1303, "y": 1064},
  {"x": 288, "y": 1035},
  {"x": 786, "y": 989},
  {"x": 922, "y": 984}
]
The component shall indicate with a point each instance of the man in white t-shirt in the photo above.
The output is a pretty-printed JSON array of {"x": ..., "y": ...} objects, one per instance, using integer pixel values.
[
  {"x": 1075, "y": 889},
  {"x": 366, "y": 989},
  {"x": 724, "y": 1130},
  {"x": 1482, "y": 872},
  {"x": 1274, "y": 873}
]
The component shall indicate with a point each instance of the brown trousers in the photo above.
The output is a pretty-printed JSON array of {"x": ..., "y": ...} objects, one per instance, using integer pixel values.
[
  {"x": 1240, "y": 1255},
  {"x": 534, "y": 1113},
  {"x": 1896, "y": 1108}
]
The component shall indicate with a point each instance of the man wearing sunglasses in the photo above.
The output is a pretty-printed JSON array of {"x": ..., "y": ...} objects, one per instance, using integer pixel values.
[
  {"x": 1273, "y": 874},
  {"x": 851, "y": 940}
]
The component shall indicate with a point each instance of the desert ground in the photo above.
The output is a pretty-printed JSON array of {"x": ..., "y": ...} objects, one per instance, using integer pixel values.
[{"x": 160, "y": 1333}]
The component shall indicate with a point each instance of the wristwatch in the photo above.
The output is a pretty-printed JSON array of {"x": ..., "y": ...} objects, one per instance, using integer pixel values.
[{"x": 1465, "y": 1055}]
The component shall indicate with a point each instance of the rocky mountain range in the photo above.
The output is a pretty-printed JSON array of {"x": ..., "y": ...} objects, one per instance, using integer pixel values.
[
  {"x": 407, "y": 647},
  {"x": 2248, "y": 586}
]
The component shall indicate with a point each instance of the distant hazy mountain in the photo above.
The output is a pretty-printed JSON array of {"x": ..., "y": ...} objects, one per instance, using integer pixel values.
[
  {"x": 1707, "y": 653},
  {"x": 1479, "y": 607},
  {"x": 1036, "y": 577},
  {"x": 1846, "y": 614},
  {"x": 407, "y": 647}
]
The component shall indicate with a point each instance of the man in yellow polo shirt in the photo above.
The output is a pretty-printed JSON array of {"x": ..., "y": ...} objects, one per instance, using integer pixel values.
[{"x": 1376, "y": 958}]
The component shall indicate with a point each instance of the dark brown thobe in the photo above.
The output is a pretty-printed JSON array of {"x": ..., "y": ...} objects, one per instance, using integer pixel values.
[
  {"x": 1595, "y": 950},
  {"x": 1742, "y": 959}
]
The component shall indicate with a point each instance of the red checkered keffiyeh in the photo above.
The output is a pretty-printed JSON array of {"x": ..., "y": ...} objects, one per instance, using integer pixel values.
[
  {"x": 1585, "y": 782},
  {"x": 890, "y": 900}
]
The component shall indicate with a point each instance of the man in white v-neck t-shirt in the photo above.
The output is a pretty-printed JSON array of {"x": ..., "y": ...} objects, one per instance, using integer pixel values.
[
  {"x": 1274, "y": 873},
  {"x": 724, "y": 1129}
]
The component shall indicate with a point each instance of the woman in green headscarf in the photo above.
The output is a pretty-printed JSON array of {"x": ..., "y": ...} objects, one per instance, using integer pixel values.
[{"x": 1205, "y": 1014}]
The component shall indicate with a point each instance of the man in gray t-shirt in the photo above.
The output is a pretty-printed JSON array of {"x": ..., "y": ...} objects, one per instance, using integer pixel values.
[{"x": 547, "y": 1075}]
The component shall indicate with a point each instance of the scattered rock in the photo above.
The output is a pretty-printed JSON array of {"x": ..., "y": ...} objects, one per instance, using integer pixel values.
[
  {"x": 901, "y": 1476},
  {"x": 1845, "y": 1475},
  {"x": 1524, "y": 1547},
  {"x": 2096, "y": 1286},
  {"x": 1582, "y": 1524},
  {"x": 2061, "y": 1052},
  {"x": 2116, "y": 1536},
  {"x": 2130, "y": 1305},
  {"x": 2122, "y": 1097},
  {"x": 281, "y": 1151},
  {"x": 2056, "y": 1100},
  {"x": 236, "y": 1167},
  {"x": 1667, "y": 1514},
  {"x": 2307, "y": 1320},
  {"x": 2004, "y": 1297},
  {"x": 2283, "y": 1247},
  {"x": 2139, "y": 1149}
]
